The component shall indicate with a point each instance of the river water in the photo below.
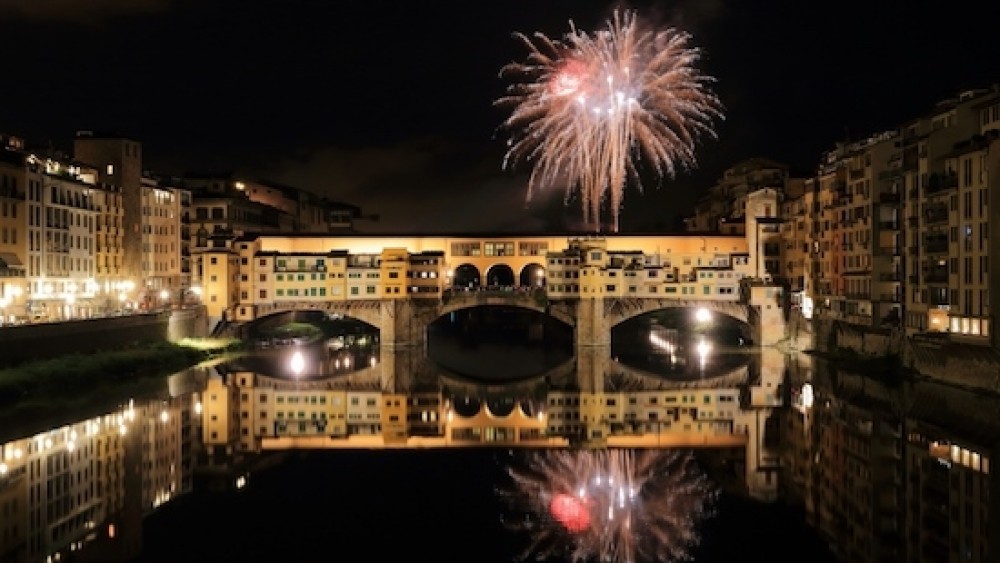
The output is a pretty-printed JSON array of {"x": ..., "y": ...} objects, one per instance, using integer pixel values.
[{"x": 829, "y": 464}]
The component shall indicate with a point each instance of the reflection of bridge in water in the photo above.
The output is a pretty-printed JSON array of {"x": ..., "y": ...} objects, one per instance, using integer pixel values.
[{"x": 406, "y": 400}]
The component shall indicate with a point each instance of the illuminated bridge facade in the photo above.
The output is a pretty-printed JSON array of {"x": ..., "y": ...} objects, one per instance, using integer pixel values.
[{"x": 401, "y": 284}]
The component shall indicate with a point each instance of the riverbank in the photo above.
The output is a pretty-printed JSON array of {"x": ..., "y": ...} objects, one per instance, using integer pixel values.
[
  {"x": 888, "y": 369},
  {"x": 39, "y": 394}
]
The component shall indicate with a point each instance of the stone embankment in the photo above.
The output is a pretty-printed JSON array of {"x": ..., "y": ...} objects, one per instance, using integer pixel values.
[
  {"x": 939, "y": 356},
  {"x": 40, "y": 341}
]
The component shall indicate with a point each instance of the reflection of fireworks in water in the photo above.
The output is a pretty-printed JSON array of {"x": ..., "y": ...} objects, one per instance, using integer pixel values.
[
  {"x": 586, "y": 106},
  {"x": 609, "y": 505}
]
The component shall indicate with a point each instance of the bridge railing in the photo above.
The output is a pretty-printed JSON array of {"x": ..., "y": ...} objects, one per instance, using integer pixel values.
[{"x": 536, "y": 294}]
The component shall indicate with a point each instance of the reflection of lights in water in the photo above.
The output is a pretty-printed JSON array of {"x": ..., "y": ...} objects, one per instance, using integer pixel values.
[
  {"x": 807, "y": 395},
  {"x": 659, "y": 342},
  {"x": 703, "y": 349},
  {"x": 298, "y": 363},
  {"x": 702, "y": 315}
]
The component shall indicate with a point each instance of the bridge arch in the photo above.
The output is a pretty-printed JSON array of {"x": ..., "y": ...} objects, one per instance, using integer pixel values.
[
  {"x": 466, "y": 276},
  {"x": 368, "y": 311},
  {"x": 617, "y": 311},
  {"x": 532, "y": 275},
  {"x": 500, "y": 275},
  {"x": 457, "y": 300}
]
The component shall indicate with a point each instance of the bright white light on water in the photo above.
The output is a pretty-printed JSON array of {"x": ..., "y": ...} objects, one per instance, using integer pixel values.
[
  {"x": 298, "y": 363},
  {"x": 807, "y": 395}
]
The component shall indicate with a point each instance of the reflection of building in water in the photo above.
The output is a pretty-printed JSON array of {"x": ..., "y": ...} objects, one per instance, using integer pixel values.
[
  {"x": 61, "y": 486},
  {"x": 242, "y": 408},
  {"x": 74, "y": 491},
  {"x": 695, "y": 417},
  {"x": 247, "y": 412},
  {"x": 897, "y": 473}
]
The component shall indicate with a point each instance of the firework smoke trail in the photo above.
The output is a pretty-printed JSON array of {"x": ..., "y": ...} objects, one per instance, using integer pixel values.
[
  {"x": 587, "y": 107},
  {"x": 608, "y": 505}
]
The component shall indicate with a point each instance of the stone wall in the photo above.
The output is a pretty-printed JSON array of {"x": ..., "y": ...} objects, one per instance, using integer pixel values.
[
  {"x": 940, "y": 359},
  {"x": 192, "y": 322},
  {"x": 831, "y": 335},
  {"x": 966, "y": 365},
  {"x": 38, "y": 341},
  {"x": 45, "y": 340}
]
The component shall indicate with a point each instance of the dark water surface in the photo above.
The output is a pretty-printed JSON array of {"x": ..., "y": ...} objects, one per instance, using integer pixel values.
[{"x": 426, "y": 505}]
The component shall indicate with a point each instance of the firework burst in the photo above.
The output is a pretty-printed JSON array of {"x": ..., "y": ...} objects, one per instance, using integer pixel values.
[
  {"x": 587, "y": 107},
  {"x": 608, "y": 505}
]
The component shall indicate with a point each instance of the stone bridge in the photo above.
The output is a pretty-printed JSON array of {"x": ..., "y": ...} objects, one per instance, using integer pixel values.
[{"x": 404, "y": 322}]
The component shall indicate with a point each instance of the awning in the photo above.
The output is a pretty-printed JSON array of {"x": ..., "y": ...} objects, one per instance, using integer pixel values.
[{"x": 9, "y": 260}]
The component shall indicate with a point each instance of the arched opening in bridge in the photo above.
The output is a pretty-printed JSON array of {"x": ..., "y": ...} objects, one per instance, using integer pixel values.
[
  {"x": 498, "y": 343},
  {"x": 500, "y": 275},
  {"x": 466, "y": 276},
  {"x": 682, "y": 343},
  {"x": 533, "y": 275},
  {"x": 322, "y": 344}
]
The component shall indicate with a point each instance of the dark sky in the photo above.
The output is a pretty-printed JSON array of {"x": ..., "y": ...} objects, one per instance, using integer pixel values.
[{"x": 389, "y": 105}]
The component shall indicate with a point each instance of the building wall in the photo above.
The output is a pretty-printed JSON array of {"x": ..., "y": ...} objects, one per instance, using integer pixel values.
[{"x": 118, "y": 162}]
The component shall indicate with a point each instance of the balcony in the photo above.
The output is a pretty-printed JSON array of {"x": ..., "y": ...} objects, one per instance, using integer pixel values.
[
  {"x": 889, "y": 198},
  {"x": 938, "y": 182},
  {"x": 889, "y": 225},
  {"x": 936, "y": 275},
  {"x": 891, "y": 174},
  {"x": 890, "y": 277},
  {"x": 7, "y": 192},
  {"x": 936, "y": 245},
  {"x": 939, "y": 297},
  {"x": 936, "y": 213}
]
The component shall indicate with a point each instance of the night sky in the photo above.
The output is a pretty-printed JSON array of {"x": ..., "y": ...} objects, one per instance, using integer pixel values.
[{"x": 389, "y": 105}]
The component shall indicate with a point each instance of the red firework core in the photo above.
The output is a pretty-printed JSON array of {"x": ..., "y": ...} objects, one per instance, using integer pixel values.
[
  {"x": 570, "y": 511},
  {"x": 569, "y": 79}
]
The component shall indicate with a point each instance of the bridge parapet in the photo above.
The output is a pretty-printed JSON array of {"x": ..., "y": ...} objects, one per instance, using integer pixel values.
[
  {"x": 455, "y": 299},
  {"x": 366, "y": 310},
  {"x": 619, "y": 309}
]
